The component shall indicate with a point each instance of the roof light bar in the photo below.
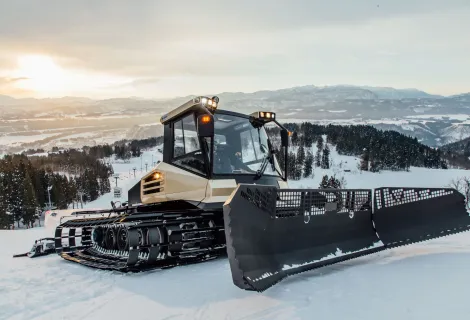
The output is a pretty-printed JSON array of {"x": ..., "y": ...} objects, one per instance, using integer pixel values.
[
  {"x": 265, "y": 116},
  {"x": 210, "y": 103}
]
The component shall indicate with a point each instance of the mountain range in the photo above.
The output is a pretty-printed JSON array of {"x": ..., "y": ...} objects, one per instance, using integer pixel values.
[{"x": 434, "y": 119}]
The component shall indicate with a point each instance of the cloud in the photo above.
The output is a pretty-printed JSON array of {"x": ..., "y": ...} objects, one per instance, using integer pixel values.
[
  {"x": 241, "y": 44},
  {"x": 114, "y": 20},
  {"x": 8, "y": 87},
  {"x": 8, "y": 81}
]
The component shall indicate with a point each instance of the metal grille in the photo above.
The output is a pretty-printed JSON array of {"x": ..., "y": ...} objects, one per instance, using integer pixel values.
[
  {"x": 152, "y": 185},
  {"x": 378, "y": 198},
  {"x": 317, "y": 202},
  {"x": 265, "y": 199},
  {"x": 389, "y": 197}
]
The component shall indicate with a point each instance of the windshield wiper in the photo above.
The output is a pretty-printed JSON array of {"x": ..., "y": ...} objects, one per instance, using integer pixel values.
[{"x": 264, "y": 165}]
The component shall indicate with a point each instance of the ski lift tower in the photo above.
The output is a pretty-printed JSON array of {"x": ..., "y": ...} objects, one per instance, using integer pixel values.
[
  {"x": 117, "y": 190},
  {"x": 49, "y": 188}
]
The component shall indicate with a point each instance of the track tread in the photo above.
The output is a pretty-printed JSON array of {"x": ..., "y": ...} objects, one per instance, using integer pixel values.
[{"x": 145, "y": 255}]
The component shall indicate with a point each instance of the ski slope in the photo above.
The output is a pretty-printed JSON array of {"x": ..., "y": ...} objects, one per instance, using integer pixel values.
[
  {"x": 423, "y": 281},
  {"x": 127, "y": 179}
]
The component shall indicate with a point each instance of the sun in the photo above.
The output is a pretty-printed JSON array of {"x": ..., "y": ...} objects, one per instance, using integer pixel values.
[{"x": 40, "y": 74}]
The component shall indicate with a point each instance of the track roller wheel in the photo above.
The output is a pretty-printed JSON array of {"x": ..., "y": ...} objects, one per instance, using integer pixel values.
[
  {"x": 156, "y": 237},
  {"x": 110, "y": 239},
  {"x": 122, "y": 239},
  {"x": 98, "y": 236},
  {"x": 143, "y": 236}
]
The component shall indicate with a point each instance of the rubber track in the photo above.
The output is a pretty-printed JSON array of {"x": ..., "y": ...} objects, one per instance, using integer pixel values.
[
  {"x": 352, "y": 256},
  {"x": 102, "y": 262},
  {"x": 92, "y": 257}
]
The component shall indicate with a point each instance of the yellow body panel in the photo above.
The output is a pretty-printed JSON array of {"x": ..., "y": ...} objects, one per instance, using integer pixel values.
[
  {"x": 219, "y": 190},
  {"x": 167, "y": 182},
  {"x": 175, "y": 184}
]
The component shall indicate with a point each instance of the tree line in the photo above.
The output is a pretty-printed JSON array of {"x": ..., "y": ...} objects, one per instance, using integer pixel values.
[
  {"x": 458, "y": 152},
  {"x": 73, "y": 177},
  {"x": 27, "y": 184},
  {"x": 300, "y": 159},
  {"x": 378, "y": 149},
  {"x": 123, "y": 149}
]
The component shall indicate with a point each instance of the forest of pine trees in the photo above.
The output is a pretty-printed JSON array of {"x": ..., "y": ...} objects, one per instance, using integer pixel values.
[
  {"x": 458, "y": 151},
  {"x": 377, "y": 149},
  {"x": 301, "y": 164},
  {"x": 76, "y": 177},
  {"x": 24, "y": 182}
]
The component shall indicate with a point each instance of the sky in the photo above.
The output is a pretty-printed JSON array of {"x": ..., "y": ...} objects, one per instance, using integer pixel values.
[{"x": 162, "y": 49}]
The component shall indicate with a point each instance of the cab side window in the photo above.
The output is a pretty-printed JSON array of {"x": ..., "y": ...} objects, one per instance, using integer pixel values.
[{"x": 187, "y": 152}]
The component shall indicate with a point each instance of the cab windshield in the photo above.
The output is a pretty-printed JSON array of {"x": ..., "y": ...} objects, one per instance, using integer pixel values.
[{"x": 241, "y": 148}]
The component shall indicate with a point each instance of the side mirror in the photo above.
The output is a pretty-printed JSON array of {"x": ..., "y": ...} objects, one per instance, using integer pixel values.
[
  {"x": 205, "y": 125},
  {"x": 284, "y": 138}
]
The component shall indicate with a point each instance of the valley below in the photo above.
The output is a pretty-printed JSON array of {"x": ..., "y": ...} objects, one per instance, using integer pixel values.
[{"x": 73, "y": 121}]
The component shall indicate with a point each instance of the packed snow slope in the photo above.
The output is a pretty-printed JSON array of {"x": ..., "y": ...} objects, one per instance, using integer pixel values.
[{"x": 422, "y": 281}]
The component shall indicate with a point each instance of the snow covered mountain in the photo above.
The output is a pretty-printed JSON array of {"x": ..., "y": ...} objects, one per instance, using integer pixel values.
[
  {"x": 35, "y": 123},
  {"x": 460, "y": 147}
]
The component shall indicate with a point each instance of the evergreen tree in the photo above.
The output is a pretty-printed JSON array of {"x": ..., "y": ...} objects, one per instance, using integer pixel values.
[
  {"x": 325, "y": 161},
  {"x": 307, "y": 137},
  {"x": 135, "y": 151},
  {"x": 16, "y": 199},
  {"x": 300, "y": 155},
  {"x": 324, "y": 182},
  {"x": 295, "y": 138},
  {"x": 5, "y": 218},
  {"x": 30, "y": 204},
  {"x": 291, "y": 165},
  {"x": 364, "y": 164},
  {"x": 374, "y": 166},
  {"x": 308, "y": 167},
  {"x": 320, "y": 143},
  {"x": 334, "y": 183},
  {"x": 330, "y": 183}
]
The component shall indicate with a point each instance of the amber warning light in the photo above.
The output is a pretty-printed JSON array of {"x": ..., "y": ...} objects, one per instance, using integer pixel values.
[
  {"x": 206, "y": 119},
  {"x": 205, "y": 125}
]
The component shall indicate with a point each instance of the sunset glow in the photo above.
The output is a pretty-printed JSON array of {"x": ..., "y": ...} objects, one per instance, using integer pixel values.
[
  {"x": 40, "y": 74},
  {"x": 43, "y": 77}
]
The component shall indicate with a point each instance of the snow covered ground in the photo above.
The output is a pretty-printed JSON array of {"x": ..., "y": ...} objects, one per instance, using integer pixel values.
[{"x": 423, "y": 281}]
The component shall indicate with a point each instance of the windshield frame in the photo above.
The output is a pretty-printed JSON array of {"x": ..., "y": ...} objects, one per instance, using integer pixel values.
[{"x": 277, "y": 173}]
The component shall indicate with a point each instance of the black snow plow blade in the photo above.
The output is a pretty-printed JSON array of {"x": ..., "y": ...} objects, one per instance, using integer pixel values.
[
  {"x": 273, "y": 233},
  {"x": 408, "y": 215}
]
